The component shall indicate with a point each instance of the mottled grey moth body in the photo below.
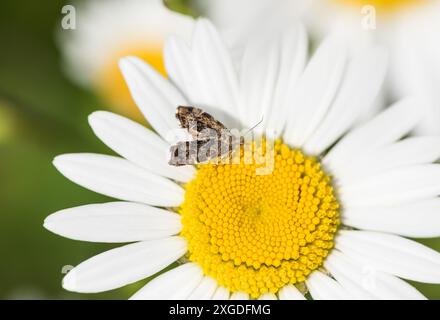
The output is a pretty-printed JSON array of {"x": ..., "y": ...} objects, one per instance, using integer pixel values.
[{"x": 212, "y": 139}]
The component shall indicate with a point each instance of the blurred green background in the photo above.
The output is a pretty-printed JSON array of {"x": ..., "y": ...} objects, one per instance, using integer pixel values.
[{"x": 43, "y": 114}]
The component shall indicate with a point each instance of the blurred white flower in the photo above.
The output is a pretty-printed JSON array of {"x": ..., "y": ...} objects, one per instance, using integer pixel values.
[
  {"x": 107, "y": 30},
  {"x": 408, "y": 28},
  {"x": 238, "y": 235},
  {"x": 237, "y": 20}
]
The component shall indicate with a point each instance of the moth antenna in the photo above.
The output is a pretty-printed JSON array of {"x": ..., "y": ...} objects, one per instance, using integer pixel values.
[{"x": 259, "y": 122}]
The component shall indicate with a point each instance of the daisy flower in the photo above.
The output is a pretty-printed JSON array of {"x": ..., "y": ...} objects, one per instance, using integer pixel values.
[
  {"x": 407, "y": 28},
  {"x": 329, "y": 220},
  {"x": 237, "y": 20},
  {"x": 109, "y": 30}
]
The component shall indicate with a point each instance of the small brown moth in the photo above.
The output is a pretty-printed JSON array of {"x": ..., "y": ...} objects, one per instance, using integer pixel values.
[{"x": 211, "y": 138}]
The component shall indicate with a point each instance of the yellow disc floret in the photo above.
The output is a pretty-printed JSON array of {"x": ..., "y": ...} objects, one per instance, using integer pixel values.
[{"x": 257, "y": 231}]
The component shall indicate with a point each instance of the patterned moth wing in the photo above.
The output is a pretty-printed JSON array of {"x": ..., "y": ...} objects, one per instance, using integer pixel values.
[
  {"x": 196, "y": 120},
  {"x": 185, "y": 153},
  {"x": 193, "y": 152},
  {"x": 212, "y": 138}
]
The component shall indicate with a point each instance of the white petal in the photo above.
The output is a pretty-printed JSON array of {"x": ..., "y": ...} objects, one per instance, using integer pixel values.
[
  {"x": 411, "y": 151},
  {"x": 359, "y": 88},
  {"x": 315, "y": 92},
  {"x": 293, "y": 57},
  {"x": 392, "y": 254},
  {"x": 271, "y": 67},
  {"x": 137, "y": 144},
  {"x": 259, "y": 72},
  {"x": 239, "y": 296},
  {"x": 268, "y": 296},
  {"x": 205, "y": 289},
  {"x": 215, "y": 70},
  {"x": 182, "y": 69},
  {"x": 389, "y": 287},
  {"x": 155, "y": 96},
  {"x": 415, "y": 63},
  {"x": 178, "y": 62},
  {"x": 124, "y": 265},
  {"x": 367, "y": 283},
  {"x": 118, "y": 178},
  {"x": 389, "y": 126},
  {"x": 290, "y": 292},
  {"x": 114, "y": 222},
  {"x": 348, "y": 277},
  {"x": 176, "y": 284},
  {"x": 221, "y": 294},
  {"x": 419, "y": 219},
  {"x": 322, "y": 287},
  {"x": 394, "y": 187}
]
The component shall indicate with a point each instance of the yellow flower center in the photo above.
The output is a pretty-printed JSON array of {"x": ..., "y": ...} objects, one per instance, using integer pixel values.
[
  {"x": 111, "y": 85},
  {"x": 257, "y": 231},
  {"x": 383, "y": 6}
]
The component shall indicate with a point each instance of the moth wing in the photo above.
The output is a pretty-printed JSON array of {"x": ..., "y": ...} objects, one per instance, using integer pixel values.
[
  {"x": 183, "y": 153},
  {"x": 228, "y": 147},
  {"x": 195, "y": 120},
  {"x": 193, "y": 152}
]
